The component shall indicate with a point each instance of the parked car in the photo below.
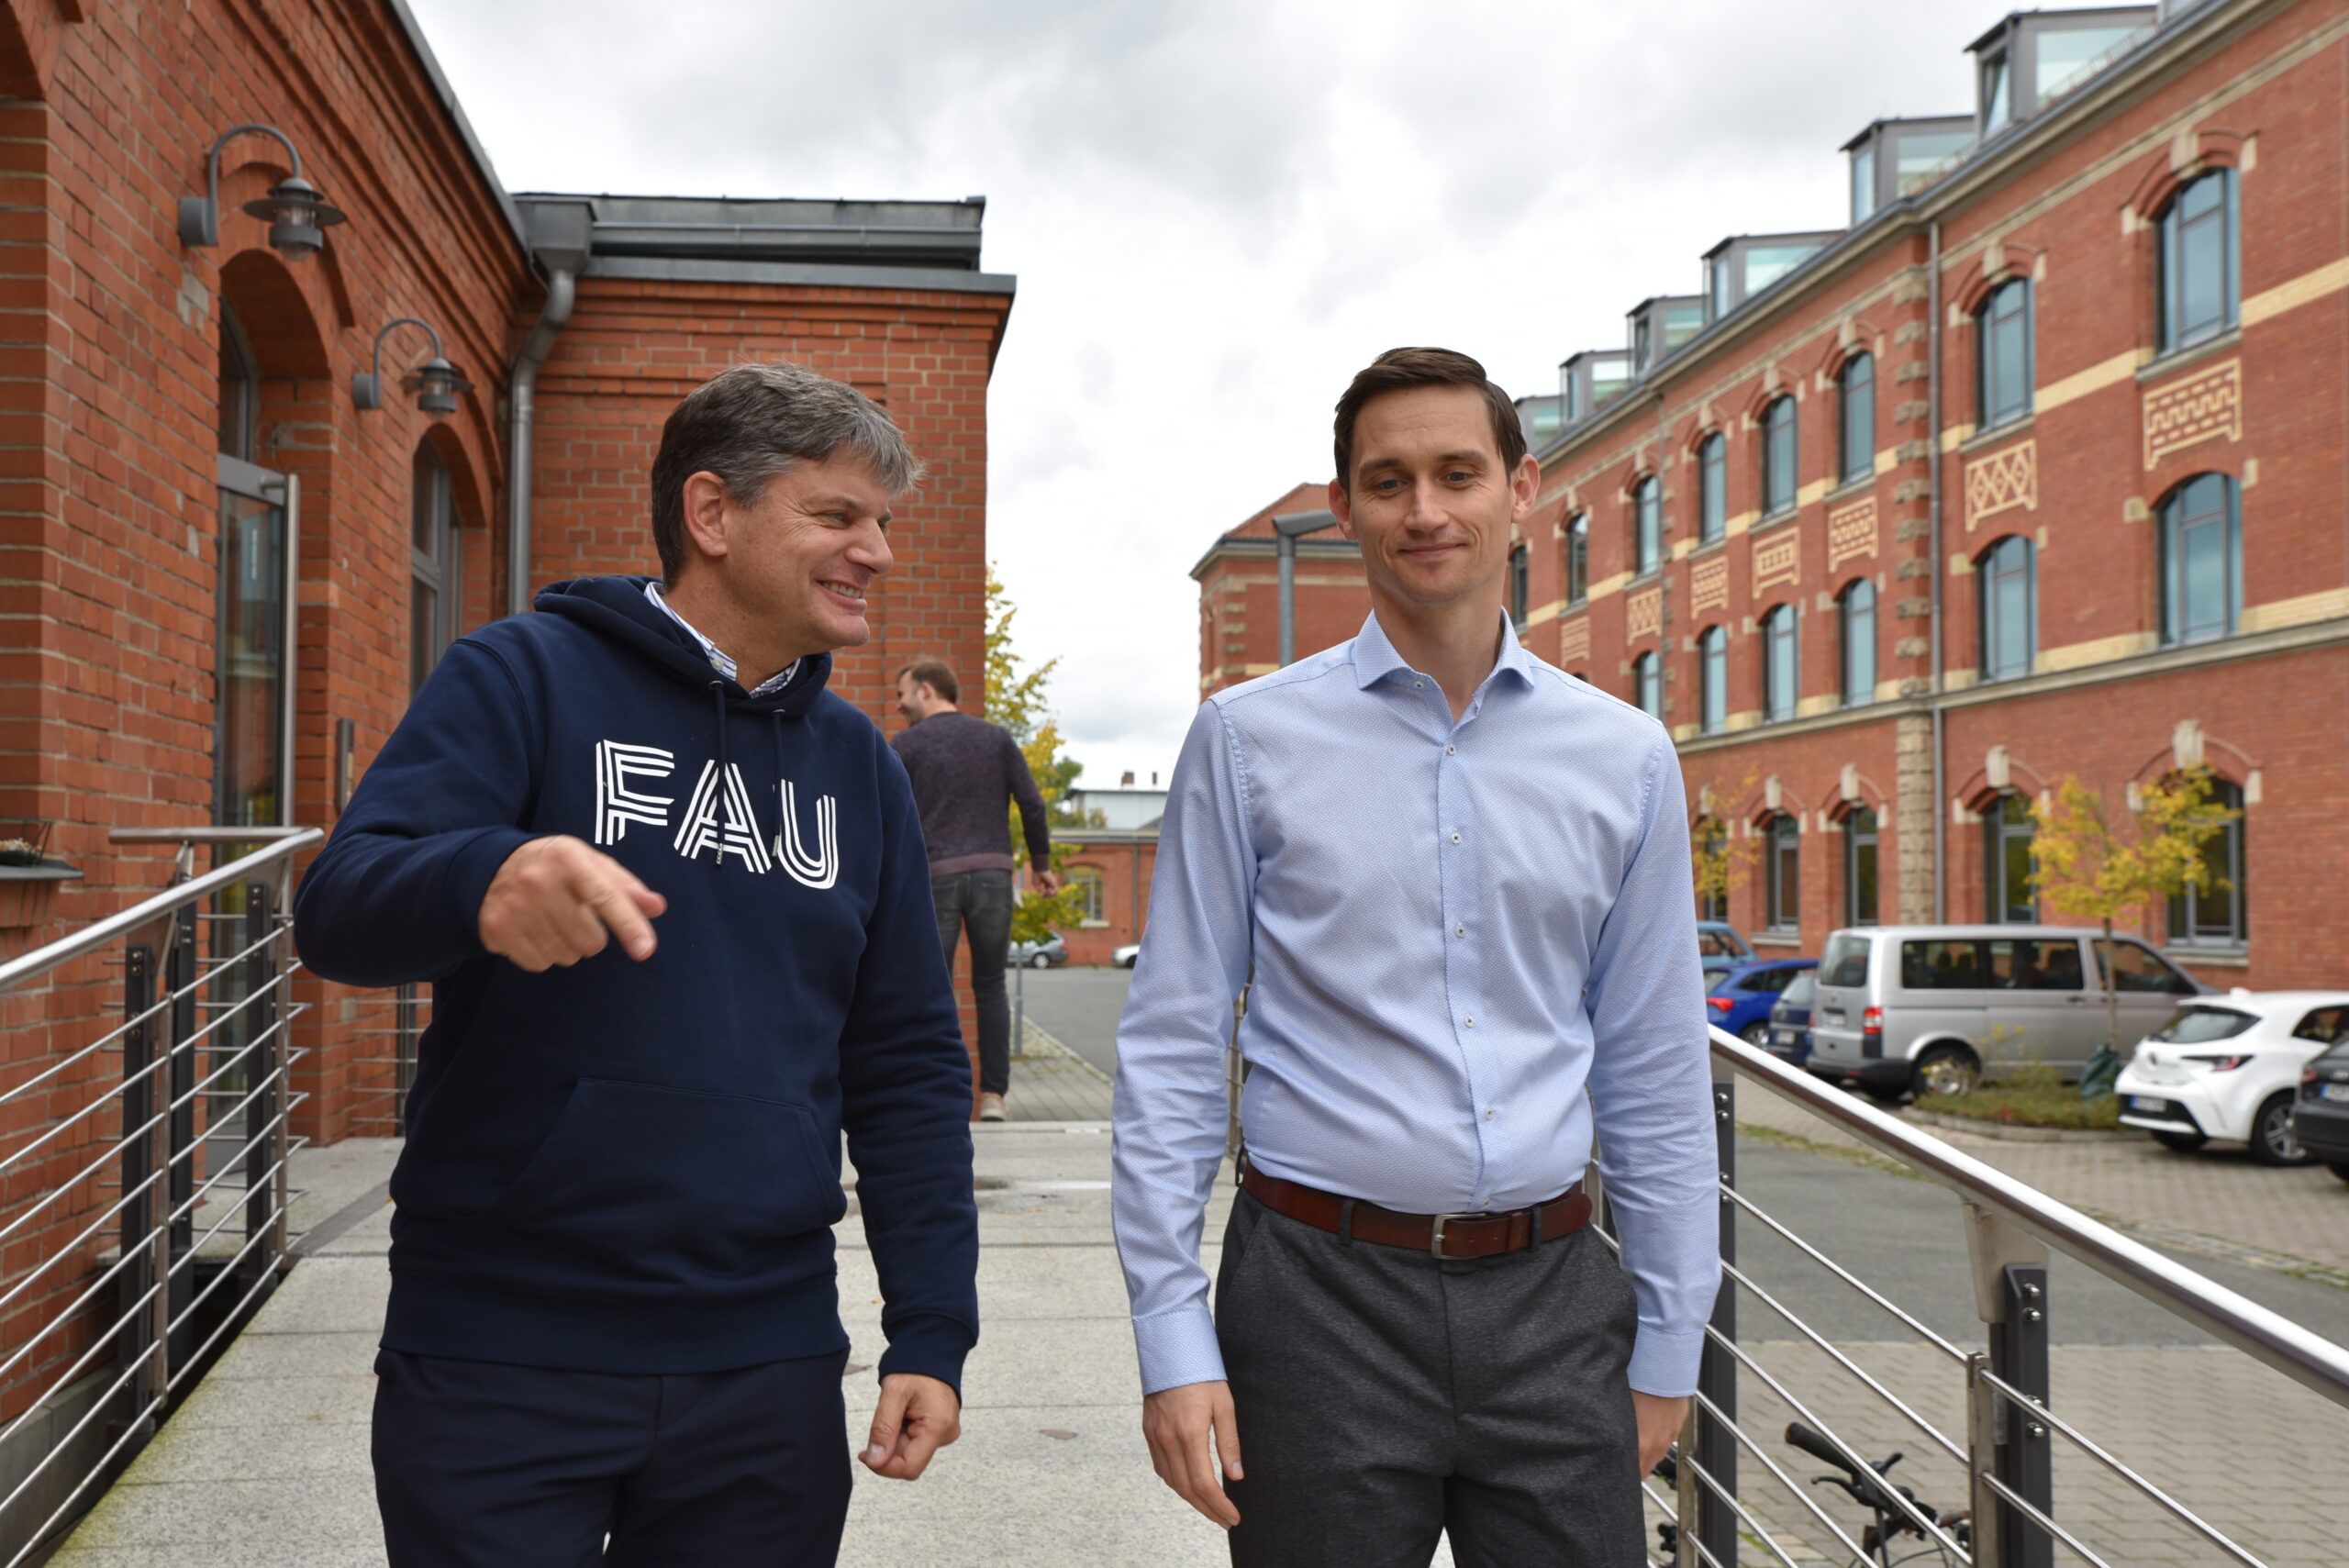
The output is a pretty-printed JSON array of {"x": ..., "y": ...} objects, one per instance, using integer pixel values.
[
  {"x": 1739, "y": 999},
  {"x": 1048, "y": 954},
  {"x": 1790, "y": 1019},
  {"x": 1124, "y": 957},
  {"x": 2229, "y": 1067},
  {"x": 2320, "y": 1118},
  {"x": 1721, "y": 946},
  {"x": 1934, "y": 1009}
]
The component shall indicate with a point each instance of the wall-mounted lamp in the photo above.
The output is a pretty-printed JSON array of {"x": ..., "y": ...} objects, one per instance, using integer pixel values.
[
  {"x": 294, "y": 209},
  {"x": 435, "y": 382}
]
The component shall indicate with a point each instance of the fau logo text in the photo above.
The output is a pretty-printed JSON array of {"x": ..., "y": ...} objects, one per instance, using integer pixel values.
[{"x": 719, "y": 819}]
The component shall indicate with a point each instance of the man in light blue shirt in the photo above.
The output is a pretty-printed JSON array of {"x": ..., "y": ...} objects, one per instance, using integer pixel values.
[{"x": 1455, "y": 881}]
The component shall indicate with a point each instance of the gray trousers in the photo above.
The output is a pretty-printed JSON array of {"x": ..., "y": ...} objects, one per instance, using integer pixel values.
[{"x": 1386, "y": 1398}]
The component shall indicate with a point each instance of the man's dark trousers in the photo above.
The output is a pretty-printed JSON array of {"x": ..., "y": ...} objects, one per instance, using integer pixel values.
[
  {"x": 482, "y": 1465},
  {"x": 980, "y": 902},
  {"x": 1386, "y": 1396}
]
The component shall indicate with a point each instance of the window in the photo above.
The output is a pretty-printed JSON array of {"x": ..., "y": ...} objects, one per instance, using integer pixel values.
[
  {"x": 2003, "y": 337},
  {"x": 1579, "y": 558},
  {"x": 1647, "y": 684},
  {"x": 1520, "y": 583},
  {"x": 1084, "y": 890},
  {"x": 1942, "y": 966},
  {"x": 1778, "y": 457},
  {"x": 1648, "y": 501},
  {"x": 1712, "y": 489},
  {"x": 2326, "y": 1025},
  {"x": 2138, "y": 969},
  {"x": 1847, "y": 964},
  {"x": 2008, "y": 614},
  {"x": 2198, "y": 265},
  {"x": 2010, "y": 896},
  {"x": 432, "y": 550},
  {"x": 251, "y": 768},
  {"x": 2213, "y": 915},
  {"x": 1781, "y": 664},
  {"x": 1855, "y": 612},
  {"x": 2200, "y": 1026},
  {"x": 1785, "y": 910},
  {"x": 1998, "y": 99},
  {"x": 2201, "y": 559},
  {"x": 240, "y": 390},
  {"x": 1856, "y": 431},
  {"x": 1712, "y": 678},
  {"x": 1717, "y": 286},
  {"x": 1863, "y": 183},
  {"x": 1859, "y": 868},
  {"x": 1712, "y": 903}
]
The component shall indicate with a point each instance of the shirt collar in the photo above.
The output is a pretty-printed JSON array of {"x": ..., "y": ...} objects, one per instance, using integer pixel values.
[
  {"x": 717, "y": 657},
  {"x": 1375, "y": 658}
]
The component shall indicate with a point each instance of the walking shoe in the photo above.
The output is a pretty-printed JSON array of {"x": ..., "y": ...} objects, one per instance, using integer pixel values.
[{"x": 990, "y": 1107}]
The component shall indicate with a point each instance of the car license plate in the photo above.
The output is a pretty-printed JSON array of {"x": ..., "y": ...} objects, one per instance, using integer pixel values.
[
  {"x": 2146, "y": 1103},
  {"x": 2334, "y": 1091},
  {"x": 1783, "y": 1037}
]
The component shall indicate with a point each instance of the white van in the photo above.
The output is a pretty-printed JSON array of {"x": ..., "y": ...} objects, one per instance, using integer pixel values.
[{"x": 1934, "y": 1009}]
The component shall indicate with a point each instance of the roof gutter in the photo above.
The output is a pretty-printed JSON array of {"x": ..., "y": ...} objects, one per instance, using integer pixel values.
[{"x": 560, "y": 240}]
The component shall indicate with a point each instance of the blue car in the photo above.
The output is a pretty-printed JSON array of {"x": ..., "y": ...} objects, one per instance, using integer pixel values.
[
  {"x": 1721, "y": 946},
  {"x": 1739, "y": 999}
]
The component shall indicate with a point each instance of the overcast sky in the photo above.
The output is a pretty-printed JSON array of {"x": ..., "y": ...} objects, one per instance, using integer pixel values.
[{"x": 1218, "y": 212}]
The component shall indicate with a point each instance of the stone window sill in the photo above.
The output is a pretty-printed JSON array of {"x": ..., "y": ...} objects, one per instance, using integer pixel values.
[{"x": 2179, "y": 359}]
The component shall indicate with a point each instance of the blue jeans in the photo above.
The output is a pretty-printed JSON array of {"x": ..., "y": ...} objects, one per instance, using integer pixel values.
[{"x": 980, "y": 902}]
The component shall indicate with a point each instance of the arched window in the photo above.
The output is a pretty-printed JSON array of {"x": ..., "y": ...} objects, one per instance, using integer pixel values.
[
  {"x": 2010, "y": 887},
  {"x": 240, "y": 390},
  {"x": 1712, "y": 678},
  {"x": 1647, "y": 684},
  {"x": 251, "y": 768},
  {"x": 1579, "y": 558},
  {"x": 2008, "y": 617},
  {"x": 1712, "y": 508},
  {"x": 1778, "y": 487},
  {"x": 1859, "y": 868},
  {"x": 2199, "y": 272},
  {"x": 2201, "y": 559},
  {"x": 1520, "y": 583},
  {"x": 1085, "y": 886},
  {"x": 1855, "y": 430},
  {"x": 1648, "y": 507},
  {"x": 2003, "y": 340},
  {"x": 432, "y": 566},
  {"x": 1856, "y": 613},
  {"x": 1781, "y": 664},
  {"x": 2216, "y": 916},
  {"x": 1784, "y": 910}
]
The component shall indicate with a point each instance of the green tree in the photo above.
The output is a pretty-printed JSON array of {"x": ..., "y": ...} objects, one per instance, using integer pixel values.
[
  {"x": 1719, "y": 859},
  {"x": 2092, "y": 869},
  {"x": 1013, "y": 694}
]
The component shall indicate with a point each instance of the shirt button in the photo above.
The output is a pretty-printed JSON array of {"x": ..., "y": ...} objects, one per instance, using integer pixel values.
[
  {"x": 1452, "y": 751},
  {"x": 1418, "y": 686},
  {"x": 1459, "y": 930},
  {"x": 1488, "y": 1113},
  {"x": 1455, "y": 838},
  {"x": 1470, "y": 1023}
]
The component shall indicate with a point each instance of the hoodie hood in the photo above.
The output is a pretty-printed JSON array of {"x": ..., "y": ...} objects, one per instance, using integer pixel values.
[{"x": 616, "y": 608}]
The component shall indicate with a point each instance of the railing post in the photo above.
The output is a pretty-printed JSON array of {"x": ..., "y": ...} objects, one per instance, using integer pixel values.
[
  {"x": 180, "y": 970},
  {"x": 1717, "y": 1371},
  {"x": 2010, "y": 1297},
  {"x": 260, "y": 1107},
  {"x": 138, "y": 1162}
]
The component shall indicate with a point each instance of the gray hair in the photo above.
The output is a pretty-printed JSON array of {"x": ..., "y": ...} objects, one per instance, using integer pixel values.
[{"x": 754, "y": 422}]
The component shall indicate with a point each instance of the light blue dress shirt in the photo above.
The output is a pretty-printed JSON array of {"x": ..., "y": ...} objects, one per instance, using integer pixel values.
[{"x": 1467, "y": 940}]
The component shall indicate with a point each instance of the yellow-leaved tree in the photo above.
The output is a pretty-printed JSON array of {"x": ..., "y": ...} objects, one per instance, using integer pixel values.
[
  {"x": 1719, "y": 858},
  {"x": 1013, "y": 694},
  {"x": 2091, "y": 868}
]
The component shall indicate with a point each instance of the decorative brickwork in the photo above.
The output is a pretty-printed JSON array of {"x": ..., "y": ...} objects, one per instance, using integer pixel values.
[
  {"x": 1850, "y": 533},
  {"x": 1643, "y": 614},
  {"x": 2200, "y": 408},
  {"x": 2001, "y": 482},
  {"x": 1574, "y": 641},
  {"x": 1708, "y": 585},
  {"x": 1776, "y": 559}
]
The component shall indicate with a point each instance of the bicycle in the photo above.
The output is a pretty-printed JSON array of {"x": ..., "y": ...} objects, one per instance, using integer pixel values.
[{"x": 1871, "y": 1491}]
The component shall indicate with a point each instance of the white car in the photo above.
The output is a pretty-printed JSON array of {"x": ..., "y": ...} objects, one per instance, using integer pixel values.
[
  {"x": 1124, "y": 957},
  {"x": 2229, "y": 1067}
]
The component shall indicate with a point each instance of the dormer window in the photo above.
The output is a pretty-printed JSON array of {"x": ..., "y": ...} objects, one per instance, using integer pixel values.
[
  {"x": 1741, "y": 267},
  {"x": 2035, "y": 59},
  {"x": 1895, "y": 159},
  {"x": 1660, "y": 326},
  {"x": 1588, "y": 379}
]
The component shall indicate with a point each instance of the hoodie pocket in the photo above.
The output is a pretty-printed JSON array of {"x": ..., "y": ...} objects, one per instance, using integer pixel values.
[{"x": 654, "y": 1185}]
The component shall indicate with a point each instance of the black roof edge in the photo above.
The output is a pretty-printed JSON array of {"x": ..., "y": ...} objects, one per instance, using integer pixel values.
[
  {"x": 448, "y": 96},
  {"x": 1882, "y": 120}
]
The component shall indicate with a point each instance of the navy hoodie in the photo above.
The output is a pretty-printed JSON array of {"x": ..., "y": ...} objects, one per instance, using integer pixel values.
[{"x": 629, "y": 1167}]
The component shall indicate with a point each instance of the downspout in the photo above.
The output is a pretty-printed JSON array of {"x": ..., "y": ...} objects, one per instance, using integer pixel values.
[
  {"x": 1933, "y": 539},
  {"x": 562, "y": 287}
]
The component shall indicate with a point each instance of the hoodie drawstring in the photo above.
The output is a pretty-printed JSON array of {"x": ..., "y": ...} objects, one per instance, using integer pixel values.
[{"x": 725, "y": 770}]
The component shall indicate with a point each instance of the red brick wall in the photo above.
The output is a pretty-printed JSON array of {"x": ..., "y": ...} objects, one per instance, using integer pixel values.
[{"x": 1125, "y": 864}]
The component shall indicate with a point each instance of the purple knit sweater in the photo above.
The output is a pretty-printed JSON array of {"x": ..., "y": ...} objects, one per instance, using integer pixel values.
[{"x": 966, "y": 774}]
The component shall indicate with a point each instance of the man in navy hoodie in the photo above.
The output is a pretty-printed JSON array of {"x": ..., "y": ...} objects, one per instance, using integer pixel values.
[{"x": 674, "y": 904}]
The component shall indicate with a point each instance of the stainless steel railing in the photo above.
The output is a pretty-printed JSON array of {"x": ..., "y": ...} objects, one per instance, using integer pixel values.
[
  {"x": 2005, "y": 1449},
  {"x": 143, "y": 1149}
]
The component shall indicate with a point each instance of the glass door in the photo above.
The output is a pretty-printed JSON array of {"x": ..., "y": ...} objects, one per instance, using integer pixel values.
[{"x": 253, "y": 747}]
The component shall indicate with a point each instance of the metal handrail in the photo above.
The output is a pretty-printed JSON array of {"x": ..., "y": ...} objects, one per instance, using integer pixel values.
[
  {"x": 2300, "y": 1354},
  {"x": 289, "y": 841}
]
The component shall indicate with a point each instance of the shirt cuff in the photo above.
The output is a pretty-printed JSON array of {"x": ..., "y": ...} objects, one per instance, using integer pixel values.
[
  {"x": 1177, "y": 1348},
  {"x": 1664, "y": 1363},
  {"x": 930, "y": 1344}
]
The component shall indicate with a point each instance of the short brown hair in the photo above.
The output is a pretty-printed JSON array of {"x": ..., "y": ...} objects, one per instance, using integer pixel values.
[
  {"x": 1399, "y": 370},
  {"x": 931, "y": 673}
]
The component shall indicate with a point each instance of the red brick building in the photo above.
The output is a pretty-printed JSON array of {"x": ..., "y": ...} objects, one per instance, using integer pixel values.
[
  {"x": 2035, "y": 469},
  {"x": 1239, "y": 579},
  {"x": 189, "y": 477}
]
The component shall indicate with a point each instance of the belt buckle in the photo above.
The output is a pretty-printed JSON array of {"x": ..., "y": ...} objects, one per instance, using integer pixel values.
[{"x": 1435, "y": 1231}]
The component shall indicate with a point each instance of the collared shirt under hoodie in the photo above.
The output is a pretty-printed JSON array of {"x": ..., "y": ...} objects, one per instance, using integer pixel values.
[
  {"x": 1470, "y": 938},
  {"x": 634, "y": 1167}
]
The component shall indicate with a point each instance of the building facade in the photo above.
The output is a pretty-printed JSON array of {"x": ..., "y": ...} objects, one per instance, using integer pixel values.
[
  {"x": 228, "y": 567},
  {"x": 1239, "y": 597},
  {"x": 2035, "y": 470}
]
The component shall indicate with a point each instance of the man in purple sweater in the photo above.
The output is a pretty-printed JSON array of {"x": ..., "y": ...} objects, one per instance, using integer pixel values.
[{"x": 967, "y": 773}]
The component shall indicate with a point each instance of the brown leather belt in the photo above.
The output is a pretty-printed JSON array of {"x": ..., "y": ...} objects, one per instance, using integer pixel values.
[{"x": 1439, "y": 1235}]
